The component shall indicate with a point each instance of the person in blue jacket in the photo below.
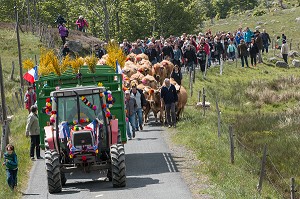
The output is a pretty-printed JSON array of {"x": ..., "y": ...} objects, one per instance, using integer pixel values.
[
  {"x": 248, "y": 35},
  {"x": 11, "y": 164}
]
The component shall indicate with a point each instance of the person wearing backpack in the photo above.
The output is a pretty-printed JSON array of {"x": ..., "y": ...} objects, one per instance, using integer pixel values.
[{"x": 63, "y": 32}]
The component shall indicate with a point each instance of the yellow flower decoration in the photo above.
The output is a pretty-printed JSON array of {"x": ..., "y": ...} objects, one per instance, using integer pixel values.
[
  {"x": 77, "y": 63},
  {"x": 115, "y": 53},
  {"x": 28, "y": 64},
  {"x": 91, "y": 62},
  {"x": 100, "y": 84}
]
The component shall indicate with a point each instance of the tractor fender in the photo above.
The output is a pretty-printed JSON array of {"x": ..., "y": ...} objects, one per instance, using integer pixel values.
[
  {"x": 114, "y": 131},
  {"x": 50, "y": 137}
]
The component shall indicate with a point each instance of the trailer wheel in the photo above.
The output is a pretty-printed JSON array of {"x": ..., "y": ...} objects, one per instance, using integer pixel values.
[
  {"x": 53, "y": 172},
  {"x": 118, "y": 167}
]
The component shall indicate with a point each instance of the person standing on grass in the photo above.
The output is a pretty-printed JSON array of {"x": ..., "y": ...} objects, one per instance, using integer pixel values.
[
  {"x": 33, "y": 130},
  {"x": 169, "y": 97},
  {"x": 253, "y": 49},
  {"x": 243, "y": 53},
  {"x": 285, "y": 51},
  {"x": 231, "y": 50},
  {"x": 11, "y": 164},
  {"x": 266, "y": 41}
]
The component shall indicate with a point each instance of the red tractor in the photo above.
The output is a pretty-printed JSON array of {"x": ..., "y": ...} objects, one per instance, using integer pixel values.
[{"x": 82, "y": 136}]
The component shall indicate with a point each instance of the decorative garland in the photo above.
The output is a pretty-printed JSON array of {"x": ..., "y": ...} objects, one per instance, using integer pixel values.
[
  {"x": 82, "y": 120},
  {"x": 89, "y": 104},
  {"x": 109, "y": 103}
]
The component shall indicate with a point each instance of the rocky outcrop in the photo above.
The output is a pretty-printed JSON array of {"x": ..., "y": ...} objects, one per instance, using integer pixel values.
[
  {"x": 296, "y": 63},
  {"x": 281, "y": 64}
]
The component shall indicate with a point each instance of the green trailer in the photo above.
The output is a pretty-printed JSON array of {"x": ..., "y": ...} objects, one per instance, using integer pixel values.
[{"x": 103, "y": 74}]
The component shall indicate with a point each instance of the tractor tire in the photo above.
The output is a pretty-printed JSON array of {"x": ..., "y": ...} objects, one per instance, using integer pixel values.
[
  {"x": 63, "y": 178},
  {"x": 53, "y": 172},
  {"x": 118, "y": 167}
]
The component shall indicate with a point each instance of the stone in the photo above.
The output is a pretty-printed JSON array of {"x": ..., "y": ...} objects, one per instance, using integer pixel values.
[
  {"x": 257, "y": 27},
  {"x": 259, "y": 23},
  {"x": 293, "y": 54},
  {"x": 281, "y": 64},
  {"x": 273, "y": 60},
  {"x": 297, "y": 19},
  {"x": 296, "y": 63}
]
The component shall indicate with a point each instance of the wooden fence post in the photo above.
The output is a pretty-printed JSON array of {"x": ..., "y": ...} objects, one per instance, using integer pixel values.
[
  {"x": 293, "y": 188},
  {"x": 231, "y": 144},
  {"x": 291, "y": 44},
  {"x": 18, "y": 99},
  {"x": 262, "y": 170},
  {"x": 19, "y": 48},
  {"x": 35, "y": 59},
  {"x": 203, "y": 102},
  {"x": 12, "y": 70},
  {"x": 21, "y": 98},
  {"x": 219, "y": 118},
  {"x": 199, "y": 96}
]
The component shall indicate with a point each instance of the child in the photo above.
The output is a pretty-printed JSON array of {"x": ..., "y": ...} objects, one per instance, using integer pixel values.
[{"x": 11, "y": 163}]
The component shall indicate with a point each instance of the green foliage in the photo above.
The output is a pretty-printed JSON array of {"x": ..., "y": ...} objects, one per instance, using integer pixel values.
[{"x": 259, "y": 12}]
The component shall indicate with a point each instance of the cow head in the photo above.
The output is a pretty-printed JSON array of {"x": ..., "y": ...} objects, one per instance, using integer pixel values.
[{"x": 154, "y": 98}]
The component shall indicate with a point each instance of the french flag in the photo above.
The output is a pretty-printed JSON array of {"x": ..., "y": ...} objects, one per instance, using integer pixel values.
[
  {"x": 31, "y": 75},
  {"x": 118, "y": 68}
]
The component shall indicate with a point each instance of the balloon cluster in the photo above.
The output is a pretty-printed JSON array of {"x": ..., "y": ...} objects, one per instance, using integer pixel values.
[
  {"x": 77, "y": 128},
  {"x": 89, "y": 104},
  {"x": 48, "y": 107}
]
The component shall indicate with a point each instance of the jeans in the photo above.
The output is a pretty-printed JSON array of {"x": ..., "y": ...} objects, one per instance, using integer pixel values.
[
  {"x": 12, "y": 177},
  {"x": 190, "y": 65},
  {"x": 232, "y": 55},
  {"x": 35, "y": 143},
  {"x": 266, "y": 46},
  {"x": 131, "y": 121},
  {"x": 285, "y": 57},
  {"x": 139, "y": 118},
  {"x": 253, "y": 60},
  {"x": 244, "y": 58},
  {"x": 170, "y": 108}
]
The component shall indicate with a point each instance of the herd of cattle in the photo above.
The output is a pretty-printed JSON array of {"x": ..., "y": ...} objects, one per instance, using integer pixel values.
[{"x": 150, "y": 78}]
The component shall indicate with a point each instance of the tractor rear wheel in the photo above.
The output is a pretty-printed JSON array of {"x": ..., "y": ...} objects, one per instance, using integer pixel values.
[
  {"x": 53, "y": 172},
  {"x": 118, "y": 167}
]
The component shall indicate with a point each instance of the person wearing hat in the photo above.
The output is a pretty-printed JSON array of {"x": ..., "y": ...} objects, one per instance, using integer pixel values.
[
  {"x": 139, "y": 97},
  {"x": 243, "y": 52},
  {"x": 81, "y": 24},
  {"x": 29, "y": 98},
  {"x": 284, "y": 50},
  {"x": 130, "y": 109}
]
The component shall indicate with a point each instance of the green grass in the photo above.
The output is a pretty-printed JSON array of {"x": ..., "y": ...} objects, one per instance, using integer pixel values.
[
  {"x": 30, "y": 47},
  {"x": 257, "y": 118}
]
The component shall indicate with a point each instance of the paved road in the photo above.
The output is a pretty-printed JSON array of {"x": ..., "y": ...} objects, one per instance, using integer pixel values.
[{"x": 150, "y": 168}]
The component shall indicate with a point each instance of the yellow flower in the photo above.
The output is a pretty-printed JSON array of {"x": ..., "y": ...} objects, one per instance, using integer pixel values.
[
  {"x": 77, "y": 63},
  {"x": 115, "y": 53},
  {"x": 91, "y": 62},
  {"x": 28, "y": 64}
]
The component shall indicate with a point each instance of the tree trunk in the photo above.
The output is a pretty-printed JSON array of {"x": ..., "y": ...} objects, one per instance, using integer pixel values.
[{"x": 106, "y": 20}]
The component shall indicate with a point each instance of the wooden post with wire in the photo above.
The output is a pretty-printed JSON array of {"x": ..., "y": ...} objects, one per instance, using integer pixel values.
[
  {"x": 199, "y": 96},
  {"x": 12, "y": 70},
  {"x": 231, "y": 144},
  {"x": 219, "y": 118},
  {"x": 203, "y": 102},
  {"x": 293, "y": 188},
  {"x": 262, "y": 170}
]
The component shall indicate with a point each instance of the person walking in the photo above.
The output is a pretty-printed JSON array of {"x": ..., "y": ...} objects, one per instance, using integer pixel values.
[
  {"x": 176, "y": 74},
  {"x": 11, "y": 164},
  {"x": 82, "y": 24},
  {"x": 140, "y": 100},
  {"x": 231, "y": 50},
  {"x": 243, "y": 53},
  {"x": 63, "y": 32},
  {"x": 284, "y": 51},
  {"x": 253, "y": 50},
  {"x": 29, "y": 98},
  {"x": 130, "y": 107},
  {"x": 33, "y": 130},
  {"x": 201, "y": 56},
  {"x": 260, "y": 46},
  {"x": 169, "y": 97}
]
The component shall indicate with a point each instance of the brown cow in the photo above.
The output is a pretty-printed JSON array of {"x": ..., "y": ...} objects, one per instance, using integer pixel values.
[
  {"x": 159, "y": 73},
  {"x": 149, "y": 80},
  {"x": 169, "y": 66},
  {"x": 155, "y": 104}
]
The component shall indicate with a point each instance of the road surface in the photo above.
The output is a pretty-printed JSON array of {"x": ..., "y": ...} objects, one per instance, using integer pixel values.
[{"x": 151, "y": 174}]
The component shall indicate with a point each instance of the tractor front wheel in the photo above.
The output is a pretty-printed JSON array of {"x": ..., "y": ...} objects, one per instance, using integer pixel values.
[
  {"x": 118, "y": 167},
  {"x": 53, "y": 172}
]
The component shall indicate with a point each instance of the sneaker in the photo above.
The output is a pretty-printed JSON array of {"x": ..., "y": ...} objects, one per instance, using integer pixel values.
[
  {"x": 137, "y": 129},
  {"x": 40, "y": 158},
  {"x": 170, "y": 126},
  {"x": 32, "y": 158},
  {"x": 130, "y": 138},
  {"x": 141, "y": 127},
  {"x": 174, "y": 125}
]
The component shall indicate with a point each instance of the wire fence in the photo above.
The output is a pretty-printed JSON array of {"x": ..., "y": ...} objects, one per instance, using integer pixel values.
[{"x": 250, "y": 153}]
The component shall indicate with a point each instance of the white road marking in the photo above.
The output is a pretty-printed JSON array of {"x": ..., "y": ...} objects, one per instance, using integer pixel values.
[
  {"x": 171, "y": 162},
  {"x": 168, "y": 164},
  {"x": 99, "y": 195}
]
